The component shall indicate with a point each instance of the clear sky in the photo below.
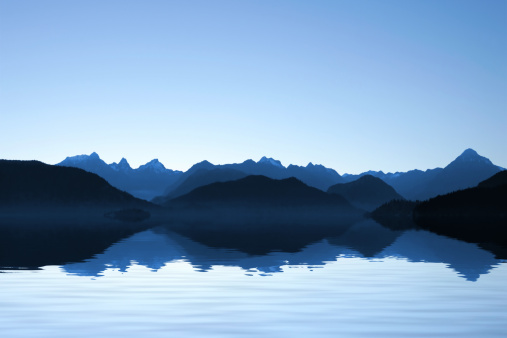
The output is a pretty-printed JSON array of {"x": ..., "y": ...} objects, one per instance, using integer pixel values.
[{"x": 353, "y": 85}]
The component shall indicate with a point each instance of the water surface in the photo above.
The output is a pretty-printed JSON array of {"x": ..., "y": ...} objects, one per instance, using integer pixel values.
[{"x": 368, "y": 281}]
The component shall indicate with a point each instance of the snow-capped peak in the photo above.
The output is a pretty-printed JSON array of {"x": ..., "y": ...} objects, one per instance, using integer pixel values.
[{"x": 271, "y": 161}]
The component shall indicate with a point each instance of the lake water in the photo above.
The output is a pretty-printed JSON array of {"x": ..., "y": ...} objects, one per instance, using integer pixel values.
[{"x": 367, "y": 282}]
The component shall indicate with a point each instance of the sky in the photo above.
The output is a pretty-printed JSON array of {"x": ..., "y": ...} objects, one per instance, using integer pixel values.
[{"x": 353, "y": 85}]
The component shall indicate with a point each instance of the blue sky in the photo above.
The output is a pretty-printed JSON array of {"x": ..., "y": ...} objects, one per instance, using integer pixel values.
[{"x": 353, "y": 85}]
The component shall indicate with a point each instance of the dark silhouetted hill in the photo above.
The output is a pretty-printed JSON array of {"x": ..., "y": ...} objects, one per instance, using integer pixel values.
[
  {"x": 367, "y": 192},
  {"x": 257, "y": 202},
  {"x": 33, "y": 183},
  {"x": 496, "y": 180},
  {"x": 260, "y": 191},
  {"x": 199, "y": 178},
  {"x": 475, "y": 214},
  {"x": 146, "y": 182}
]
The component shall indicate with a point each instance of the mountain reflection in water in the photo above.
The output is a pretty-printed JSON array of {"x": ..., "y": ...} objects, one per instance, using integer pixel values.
[{"x": 159, "y": 246}]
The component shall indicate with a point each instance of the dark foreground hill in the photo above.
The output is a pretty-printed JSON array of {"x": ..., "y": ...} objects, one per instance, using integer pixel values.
[
  {"x": 200, "y": 178},
  {"x": 476, "y": 214},
  {"x": 256, "y": 190},
  {"x": 262, "y": 200},
  {"x": 367, "y": 192},
  {"x": 35, "y": 188},
  {"x": 496, "y": 180}
]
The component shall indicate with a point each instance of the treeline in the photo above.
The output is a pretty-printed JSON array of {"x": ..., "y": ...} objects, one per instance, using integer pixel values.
[{"x": 476, "y": 214}]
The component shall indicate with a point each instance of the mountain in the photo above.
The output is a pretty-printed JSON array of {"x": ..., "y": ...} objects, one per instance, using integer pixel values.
[
  {"x": 258, "y": 203},
  {"x": 316, "y": 176},
  {"x": 260, "y": 191},
  {"x": 271, "y": 161},
  {"x": 146, "y": 182},
  {"x": 466, "y": 171},
  {"x": 35, "y": 184},
  {"x": 257, "y": 210},
  {"x": 367, "y": 192}
]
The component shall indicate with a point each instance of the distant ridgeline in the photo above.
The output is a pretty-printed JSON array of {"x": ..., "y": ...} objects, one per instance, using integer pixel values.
[
  {"x": 153, "y": 181},
  {"x": 145, "y": 182}
]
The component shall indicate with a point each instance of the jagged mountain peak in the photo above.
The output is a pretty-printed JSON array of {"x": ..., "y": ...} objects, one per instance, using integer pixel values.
[
  {"x": 154, "y": 165},
  {"x": 122, "y": 165},
  {"x": 470, "y": 155},
  {"x": 315, "y": 166},
  {"x": 81, "y": 158},
  {"x": 154, "y": 161},
  {"x": 271, "y": 161}
]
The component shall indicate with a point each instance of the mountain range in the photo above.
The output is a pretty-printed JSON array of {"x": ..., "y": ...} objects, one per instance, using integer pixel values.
[
  {"x": 146, "y": 182},
  {"x": 254, "y": 202},
  {"x": 154, "y": 181}
]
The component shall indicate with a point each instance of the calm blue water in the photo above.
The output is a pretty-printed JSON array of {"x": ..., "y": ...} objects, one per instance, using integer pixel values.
[{"x": 156, "y": 283}]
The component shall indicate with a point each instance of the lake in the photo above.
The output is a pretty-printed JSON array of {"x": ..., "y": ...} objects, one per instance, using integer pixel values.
[{"x": 368, "y": 281}]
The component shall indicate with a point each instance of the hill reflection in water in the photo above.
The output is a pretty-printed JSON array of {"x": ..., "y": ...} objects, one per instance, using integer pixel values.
[{"x": 159, "y": 246}]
